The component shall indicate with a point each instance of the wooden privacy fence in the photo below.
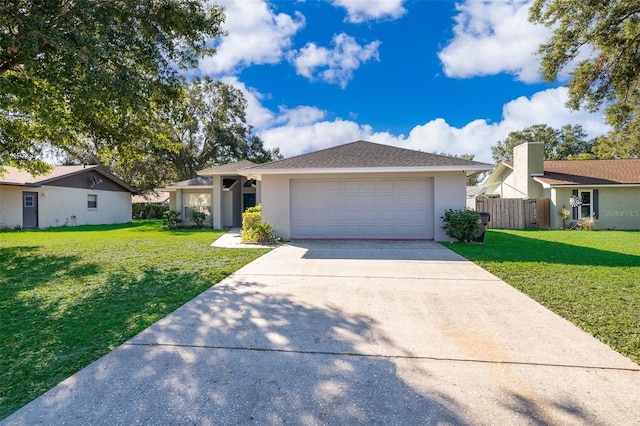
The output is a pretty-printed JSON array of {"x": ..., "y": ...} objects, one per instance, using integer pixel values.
[{"x": 516, "y": 213}]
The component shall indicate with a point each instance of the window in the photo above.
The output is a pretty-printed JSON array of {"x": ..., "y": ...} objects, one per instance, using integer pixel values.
[
  {"x": 585, "y": 208},
  {"x": 29, "y": 201},
  {"x": 199, "y": 202},
  {"x": 92, "y": 201}
]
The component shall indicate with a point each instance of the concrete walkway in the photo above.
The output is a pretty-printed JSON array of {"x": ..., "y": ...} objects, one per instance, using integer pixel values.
[
  {"x": 347, "y": 333},
  {"x": 233, "y": 239}
]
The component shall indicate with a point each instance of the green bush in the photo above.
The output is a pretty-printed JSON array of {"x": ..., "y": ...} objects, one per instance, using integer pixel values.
[
  {"x": 261, "y": 233},
  {"x": 462, "y": 225},
  {"x": 253, "y": 229},
  {"x": 254, "y": 209},
  {"x": 251, "y": 217},
  {"x": 148, "y": 211},
  {"x": 198, "y": 218},
  {"x": 170, "y": 218}
]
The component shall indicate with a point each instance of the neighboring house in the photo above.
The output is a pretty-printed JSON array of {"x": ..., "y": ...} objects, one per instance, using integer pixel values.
[
  {"x": 609, "y": 190},
  {"x": 357, "y": 190},
  {"x": 66, "y": 196},
  {"x": 223, "y": 183}
]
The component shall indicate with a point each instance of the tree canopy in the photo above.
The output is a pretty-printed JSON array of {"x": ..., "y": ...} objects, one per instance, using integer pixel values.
[
  {"x": 610, "y": 75},
  {"x": 559, "y": 144},
  {"x": 74, "y": 72},
  {"x": 204, "y": 128}
]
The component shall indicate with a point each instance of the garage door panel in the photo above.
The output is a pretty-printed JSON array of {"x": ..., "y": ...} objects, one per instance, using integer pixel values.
[{"x": 362, "y": 208}]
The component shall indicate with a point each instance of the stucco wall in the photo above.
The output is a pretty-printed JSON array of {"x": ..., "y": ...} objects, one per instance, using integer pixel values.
[
  {"x": 10, "y": 197},
  {"x": 59, "y": 206},
  {"x": 619, "y": 208},
  {"x": 449, "y": 193}
]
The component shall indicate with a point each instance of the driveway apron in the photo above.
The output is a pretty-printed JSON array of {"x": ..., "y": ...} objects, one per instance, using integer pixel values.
[{"x": 353, "y": 332}]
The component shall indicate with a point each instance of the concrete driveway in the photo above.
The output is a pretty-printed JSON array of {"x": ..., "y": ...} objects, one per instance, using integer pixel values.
[{"x": 353, "y": 333}]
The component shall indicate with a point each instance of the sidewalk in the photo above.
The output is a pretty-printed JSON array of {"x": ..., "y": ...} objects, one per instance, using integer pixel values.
[{"x": 233, "y": 239}]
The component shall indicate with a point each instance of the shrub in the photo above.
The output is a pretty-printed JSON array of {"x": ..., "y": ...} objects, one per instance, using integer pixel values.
[
  {"x": 584, "y": 224},
  {"x": 565, "y": 214},
  {"x": 148, "y": 211},
  {"x": 253, "y": 229},
  {"x": 462, "y": 225},
  {"x": 198, "y": 218},
  {"x": 170, "y": 218},
  {"x": 261, "y": 233},
  {"x": 251, "y": 217}
]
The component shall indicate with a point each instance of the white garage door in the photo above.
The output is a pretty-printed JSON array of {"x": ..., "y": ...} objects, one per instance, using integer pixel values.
[{"x": 362, "y": 208}]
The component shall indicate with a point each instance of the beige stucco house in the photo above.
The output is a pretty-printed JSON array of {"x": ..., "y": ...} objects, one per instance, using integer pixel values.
[
  {"x": 609, "y": 190},
  {"x": 66, "y": 196},
  {"x": 357, "y": 190}
]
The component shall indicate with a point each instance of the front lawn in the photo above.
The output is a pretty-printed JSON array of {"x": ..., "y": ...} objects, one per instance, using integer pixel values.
[
  {"x": 589, "y": 278},
  {"x": 70, "y": 295}
]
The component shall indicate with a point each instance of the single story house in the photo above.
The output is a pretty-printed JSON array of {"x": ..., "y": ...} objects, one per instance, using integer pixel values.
[
  {"x": 357, "y": 190},
  {"x": 608, "y": 190},
  {"x": 66, "y": 196},
  {"x": 224, "y": 183}
]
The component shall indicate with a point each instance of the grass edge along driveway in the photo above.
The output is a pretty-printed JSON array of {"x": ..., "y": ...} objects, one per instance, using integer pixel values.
[
  {"x": 70, "y": 295},
  {"x": 588, "y": 278}
]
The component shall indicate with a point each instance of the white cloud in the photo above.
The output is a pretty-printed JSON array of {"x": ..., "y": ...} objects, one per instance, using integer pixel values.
[
  {"x": 256, "y": 35},
  {"x": 491, "y": 37},
  {"x": 359, "y": 11},
  {"x": 335, "y": 66},
  {"x": 300, "y": 116},
  {"x": 257, "y": 115},
  {"x": 477, "y": 137}
]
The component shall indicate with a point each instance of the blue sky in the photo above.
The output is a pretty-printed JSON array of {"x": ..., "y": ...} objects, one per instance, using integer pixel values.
[{"x": 438, "y": 76}]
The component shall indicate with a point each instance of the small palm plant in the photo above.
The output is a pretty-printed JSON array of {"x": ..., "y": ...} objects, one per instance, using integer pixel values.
[{"x": 565, "y": 214}]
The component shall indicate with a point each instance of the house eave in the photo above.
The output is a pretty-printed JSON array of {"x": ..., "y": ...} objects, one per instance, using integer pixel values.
[
  {"x": 593, "y": 185},
  {"x": 174, "y": 188},
  {"x": 363, "y": 170}
]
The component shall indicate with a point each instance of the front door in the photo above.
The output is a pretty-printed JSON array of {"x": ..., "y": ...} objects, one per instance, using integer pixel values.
[
  {"x": 29, "y": 210},
  {"x": 248, "y": 200}
]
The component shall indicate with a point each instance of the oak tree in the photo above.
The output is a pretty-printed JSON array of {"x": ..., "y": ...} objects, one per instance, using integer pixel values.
[
  {"x": 608, "y": 32},
  {"x": 74, "y": 72},
  {"x": 559, "y": 144}
]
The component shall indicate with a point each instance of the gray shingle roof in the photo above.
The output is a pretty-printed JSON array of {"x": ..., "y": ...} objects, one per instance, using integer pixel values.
[
  {"x": 197, "y": 181},
  {"x": 229, "y": 168},
  {"x": 363, "y": 154}
]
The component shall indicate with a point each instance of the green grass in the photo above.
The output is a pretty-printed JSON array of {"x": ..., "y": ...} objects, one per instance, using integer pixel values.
[
  {"x": 70, "y": 295},
  {"x": 589, "y": 278}
]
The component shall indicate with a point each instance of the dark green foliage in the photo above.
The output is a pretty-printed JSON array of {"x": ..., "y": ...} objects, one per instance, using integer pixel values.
[
  {"x": 565, "y": 143},
  {"x": 148, "y": 210},
  {"x": 462, "y": 225},
  {"x": 610, "y": 75},
  {"x": 81, "y": 72},
  {"x": 198, "y": 218},
  {"x": 170, "y": 218}
]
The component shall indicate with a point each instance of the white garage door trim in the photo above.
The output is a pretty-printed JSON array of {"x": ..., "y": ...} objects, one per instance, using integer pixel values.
[{"x": 362, "y": 208}]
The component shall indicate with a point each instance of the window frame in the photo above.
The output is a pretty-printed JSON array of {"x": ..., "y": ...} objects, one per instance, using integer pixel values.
[
  {"x": 95, "y": 201},
  {"x": 590, "y": 203}
]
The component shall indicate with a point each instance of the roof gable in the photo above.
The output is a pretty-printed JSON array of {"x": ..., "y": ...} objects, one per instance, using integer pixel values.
[
  {"x": 15, "y": 176},
  {"x": 363, "y": 154},
  {"x": 227, "y": 169},
  {"x": 200, "y": 181}
]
